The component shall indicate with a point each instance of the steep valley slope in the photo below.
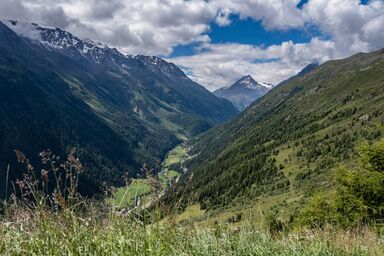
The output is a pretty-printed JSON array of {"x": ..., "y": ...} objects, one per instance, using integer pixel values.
[
  {"x": 285, "y": 146},
  {"x": 118, "y": 111}
]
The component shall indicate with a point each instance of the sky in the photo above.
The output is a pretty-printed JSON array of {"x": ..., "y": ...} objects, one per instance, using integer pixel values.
[{"x": 216, "y": 42}]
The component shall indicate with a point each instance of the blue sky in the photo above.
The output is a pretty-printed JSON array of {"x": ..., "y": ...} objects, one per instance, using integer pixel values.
[
  {"x": 249, "y": 31},
  {"x": 333, "y": 32},
  {"x": 218, "y": 41}
]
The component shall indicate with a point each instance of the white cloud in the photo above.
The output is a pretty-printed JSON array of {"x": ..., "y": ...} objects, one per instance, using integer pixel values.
[
  {"x": 150, "y": 26},
  {"x": 157, "y": 26},
  {"x": 218, "y": 65},
  {"x": 147, "y": 27},
  {"x": 275, "y": 14},
  {"x": 348, "y": 25},
  {"x": 351, "y": 25}
]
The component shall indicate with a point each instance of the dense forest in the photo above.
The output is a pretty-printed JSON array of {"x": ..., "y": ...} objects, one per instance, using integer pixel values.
[{"x": 290, "y": 142}]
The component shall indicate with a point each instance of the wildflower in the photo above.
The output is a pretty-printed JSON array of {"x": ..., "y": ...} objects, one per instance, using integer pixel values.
[
  {"x": 30, "y": 168},
  {"x": 21, "y": 184},
  {"x": 45, "y": 155},
  {"x": 75, "y": 163},
  {"x": 44, "y": 175},
  {"x": 21, "y": 158}
]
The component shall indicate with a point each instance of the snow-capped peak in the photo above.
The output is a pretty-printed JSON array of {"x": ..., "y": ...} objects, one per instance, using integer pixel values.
[
  {"x": 250, "y": 83},
  {"x": 244, "y": 91},
  {"x": 55, "y": 38}
]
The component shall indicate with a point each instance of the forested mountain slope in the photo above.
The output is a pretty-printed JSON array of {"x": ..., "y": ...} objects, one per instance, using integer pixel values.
[
  {"x": 288, "y": 142},
  {"x": 60, "y": 92}
]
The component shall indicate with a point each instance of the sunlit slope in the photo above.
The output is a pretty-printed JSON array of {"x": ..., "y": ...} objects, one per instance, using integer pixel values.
[{"x": 285, "y": 145}]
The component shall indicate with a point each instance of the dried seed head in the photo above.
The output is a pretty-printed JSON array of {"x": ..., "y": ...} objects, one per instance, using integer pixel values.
[
  {"x": 30, "y": 168},
  {"x": 21, "y": 184},
  {"x": 44, "y": 176},
  {"x": 21, "y": 158}
]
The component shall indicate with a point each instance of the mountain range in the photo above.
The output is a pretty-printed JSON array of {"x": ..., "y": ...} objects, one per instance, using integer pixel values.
[
  {"x": 119, "y": 111},
  {"x": 243, "y": 92},
  {"x": 285, "y": 146}
]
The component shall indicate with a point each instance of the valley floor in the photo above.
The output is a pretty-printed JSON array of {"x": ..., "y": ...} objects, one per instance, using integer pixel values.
[{"x": 148, "y": 189}]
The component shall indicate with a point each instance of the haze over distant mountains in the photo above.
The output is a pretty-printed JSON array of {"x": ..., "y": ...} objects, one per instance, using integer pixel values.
[
  {"x": 119, "y": 111},
  {"x": 244, "y": 92}
]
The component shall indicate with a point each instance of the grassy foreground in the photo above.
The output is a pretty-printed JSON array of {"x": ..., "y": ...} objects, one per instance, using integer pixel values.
[
  {"x": 63, "y": 223},
  {"x": 98, "y": 232}
]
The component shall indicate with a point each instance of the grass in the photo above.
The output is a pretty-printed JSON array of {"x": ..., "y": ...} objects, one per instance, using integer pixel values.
[
  {"x": 26, "y": 232},
  {"x": 166, "y": 176},
  {"x": 81, "y": 227},
  {"x": 254, "y": 212},
  {"x": 175, "y": 156},
  {"x": 190, "y": 213},
  {"x": 125, "y": 197}
]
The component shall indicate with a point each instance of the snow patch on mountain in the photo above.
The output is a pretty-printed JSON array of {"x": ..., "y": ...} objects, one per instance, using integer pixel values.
[
  {"x": 268, "y": 85},
  {"x": 56, "y": 39},
  {"x": 250, "y": 83}
]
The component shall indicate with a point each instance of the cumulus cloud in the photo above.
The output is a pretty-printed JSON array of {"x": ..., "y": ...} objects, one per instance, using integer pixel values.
[
  {"x": 348, "y": 25},
  {"x": 155, "y": 27},
  {"x": 223, "y": 64},
  {"x": 351, "y": 25},
  {"x": 274, "y": 14},
  {"x": 147, "y": 27}
]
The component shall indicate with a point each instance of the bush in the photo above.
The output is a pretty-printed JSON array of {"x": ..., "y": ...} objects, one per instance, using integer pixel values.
[
  {"x": 359, "y": 197},
  {"x": 274, "y": 225}
]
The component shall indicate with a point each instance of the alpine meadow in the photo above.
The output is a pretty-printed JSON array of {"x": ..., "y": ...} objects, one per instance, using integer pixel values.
[{"x": 192, "y": 127}]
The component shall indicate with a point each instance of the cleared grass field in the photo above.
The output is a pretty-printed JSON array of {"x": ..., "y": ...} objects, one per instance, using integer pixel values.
[
  {"x": 175, "y": 156},
  {"x": 166, "y": 176},
  {"x": 125, "y": 197}
]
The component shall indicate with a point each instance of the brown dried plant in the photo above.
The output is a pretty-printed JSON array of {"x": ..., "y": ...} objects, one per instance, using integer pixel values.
[{"x": 62, "y": 175}]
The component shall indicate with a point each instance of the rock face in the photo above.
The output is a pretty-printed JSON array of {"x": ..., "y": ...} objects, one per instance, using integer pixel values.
[{"x": 243, "y": 92}]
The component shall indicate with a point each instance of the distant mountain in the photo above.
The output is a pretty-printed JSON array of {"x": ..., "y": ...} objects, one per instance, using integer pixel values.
[
  {"x": 285, "y": 146},
  {"x": 58, "y": 91},
  {"x": 243, "y": 92}
]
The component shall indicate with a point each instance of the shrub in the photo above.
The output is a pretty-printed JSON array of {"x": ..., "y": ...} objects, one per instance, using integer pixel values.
[
  {"x": 274, "y": 225},
  {"x": 359, "y": 197}
]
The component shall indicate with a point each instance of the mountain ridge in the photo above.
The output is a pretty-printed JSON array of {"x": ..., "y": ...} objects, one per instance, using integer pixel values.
[
  {"x": 118, "y": 113},
  {"x": 57, "y": 39},
  {"x": 283, "y": 147}
]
